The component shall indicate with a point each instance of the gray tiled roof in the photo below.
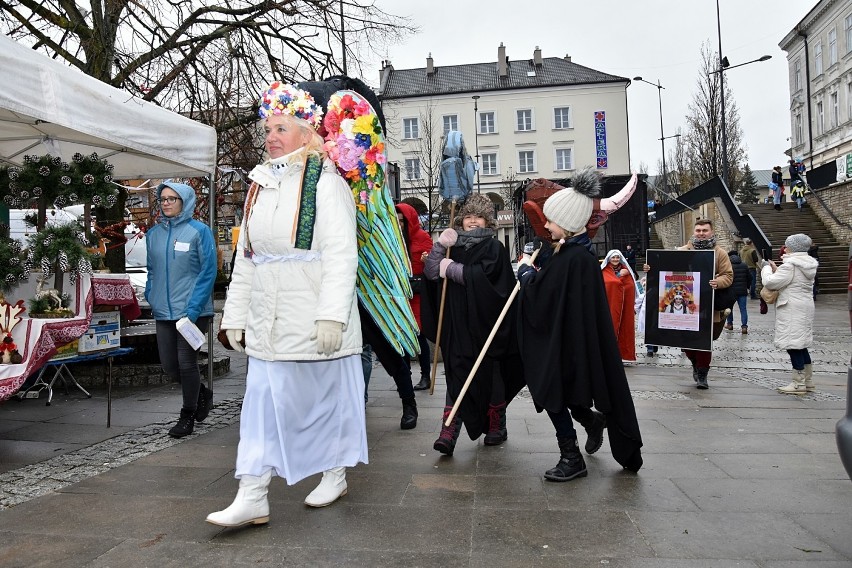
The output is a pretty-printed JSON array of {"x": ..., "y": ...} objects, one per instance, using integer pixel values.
[
  {"x": 554, "y": 71},
  {"x": 763, "y": 177}
]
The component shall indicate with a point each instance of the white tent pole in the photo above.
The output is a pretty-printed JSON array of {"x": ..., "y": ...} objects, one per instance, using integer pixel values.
[{"x": 212, "y": 220}]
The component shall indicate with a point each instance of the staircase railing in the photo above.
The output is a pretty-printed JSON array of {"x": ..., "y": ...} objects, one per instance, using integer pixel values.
[
  {"x": 825, "y": 206},
  {"x": 715, "y": 188}
]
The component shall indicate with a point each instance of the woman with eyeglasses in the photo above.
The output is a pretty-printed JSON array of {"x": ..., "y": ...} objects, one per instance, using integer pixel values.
[{"x": 181, "y": 270}]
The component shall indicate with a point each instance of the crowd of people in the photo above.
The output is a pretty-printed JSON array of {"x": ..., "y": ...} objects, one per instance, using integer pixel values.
[{"x": 292, "y": 308}]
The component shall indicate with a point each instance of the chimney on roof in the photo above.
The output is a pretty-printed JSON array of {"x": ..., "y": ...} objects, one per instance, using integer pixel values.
[
  {"x": 384, "y": 74},
  {"x": 567, "y": 58},
  {"x": 502, "y": 68},
  {"x": 537, "y": 57},
  {"x": 430, "y": 65}
]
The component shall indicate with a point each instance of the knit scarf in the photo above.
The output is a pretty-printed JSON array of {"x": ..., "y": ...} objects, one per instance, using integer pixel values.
[
  {"x": 582, "y": 239},
  {"x": 703, "y": 244},
  {"x": 469, "y": 239}
]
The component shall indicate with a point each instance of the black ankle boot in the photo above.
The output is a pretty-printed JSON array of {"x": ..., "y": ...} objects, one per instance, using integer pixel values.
[
  {"x": 701, "y": 379},
  {"x": 185, "y": 424},
  {"x": 446, "y": 442},
  {"x": 594, "y": 430},
  {"x": 497, "y": 432},
  {"x": 409, "y": 414},
  {"x": 571, "y": 464},
  {"x": 424, "y": 384},
  {"x": 205, "y": 403}
]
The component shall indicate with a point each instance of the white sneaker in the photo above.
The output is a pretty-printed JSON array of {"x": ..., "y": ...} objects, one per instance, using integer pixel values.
[{"x": 331, "y": 488}]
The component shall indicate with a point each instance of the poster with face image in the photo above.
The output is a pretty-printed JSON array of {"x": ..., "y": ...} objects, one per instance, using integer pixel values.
[{"x": 679, "y": 300}]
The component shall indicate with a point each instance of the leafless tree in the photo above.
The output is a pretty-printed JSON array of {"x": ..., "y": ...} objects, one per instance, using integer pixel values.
[
  {"x": 208, "y": 61},
  {"x": 427, "y": 150},
  {"x": 701, "y": 145}
]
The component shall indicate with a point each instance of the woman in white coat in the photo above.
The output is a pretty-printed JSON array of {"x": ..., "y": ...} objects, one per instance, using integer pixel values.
[
  {"x": 794, "y": 308},
  {"x": 292, "y": 296}
]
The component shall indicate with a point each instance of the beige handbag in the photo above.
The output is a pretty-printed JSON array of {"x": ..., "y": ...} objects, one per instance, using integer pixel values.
[{"x": 769, "y": 296}]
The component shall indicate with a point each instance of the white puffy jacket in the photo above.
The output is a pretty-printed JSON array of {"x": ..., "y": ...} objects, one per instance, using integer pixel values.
[
  {"x": 278, "y": 298},
  {"x": 794, "y": 309}
]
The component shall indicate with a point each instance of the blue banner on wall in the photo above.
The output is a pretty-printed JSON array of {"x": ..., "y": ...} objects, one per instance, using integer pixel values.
[{"x": 600, "y": 138}]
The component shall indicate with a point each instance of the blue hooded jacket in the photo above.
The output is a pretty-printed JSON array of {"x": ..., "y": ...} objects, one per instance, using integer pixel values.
[{"x": 181, "y": 262}]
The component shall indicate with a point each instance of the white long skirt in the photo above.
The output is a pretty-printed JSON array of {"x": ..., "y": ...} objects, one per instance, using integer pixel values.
[{"x": 302, "y": 418}]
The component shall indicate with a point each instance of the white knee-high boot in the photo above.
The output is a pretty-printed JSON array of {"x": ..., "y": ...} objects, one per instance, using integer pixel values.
[
  {"x": 330, "y": 489},
  {"x": 250, "y": 505},
  {"x": 809, "y": 378}
]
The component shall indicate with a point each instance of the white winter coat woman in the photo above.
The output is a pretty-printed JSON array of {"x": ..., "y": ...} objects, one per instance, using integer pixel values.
[
  {"x": 794, "y": 309},
  {"x": 278, "y": 296}
]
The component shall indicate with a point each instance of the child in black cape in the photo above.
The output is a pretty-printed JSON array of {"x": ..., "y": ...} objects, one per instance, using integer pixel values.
[
  {"x": 568, "y": 345},
  {"x": 479, "y": 282}
]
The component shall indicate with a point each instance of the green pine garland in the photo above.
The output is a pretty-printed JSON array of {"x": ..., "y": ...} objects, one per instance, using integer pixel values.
[
  {"x": 12, "y": 262},
  {"x": 60, "y": 249}
]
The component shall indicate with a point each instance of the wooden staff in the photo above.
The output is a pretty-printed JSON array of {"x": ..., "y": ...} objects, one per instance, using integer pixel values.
[
  {"x": 441, "y": 311},
  {"x": 486, "y": 346}
]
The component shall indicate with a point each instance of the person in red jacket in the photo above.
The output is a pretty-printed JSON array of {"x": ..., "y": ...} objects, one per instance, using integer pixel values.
[{"x": 418, "y": 243}]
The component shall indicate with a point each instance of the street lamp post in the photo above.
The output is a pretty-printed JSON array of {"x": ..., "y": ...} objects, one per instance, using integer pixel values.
[
  {"x": 662, "y": 132},
  {"x": 476, "y": 138},
  {"x": 724, "y": 66}
]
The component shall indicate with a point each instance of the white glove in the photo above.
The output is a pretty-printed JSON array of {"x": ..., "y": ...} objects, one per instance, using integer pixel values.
[
  {"x": 329, "y": 336},
  {"x": 526, "y": 259},
  {"x": 235, "y": 336}
]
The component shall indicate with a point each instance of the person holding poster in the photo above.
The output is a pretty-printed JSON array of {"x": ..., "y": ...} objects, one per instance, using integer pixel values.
[{"x": 685, "y": 285}]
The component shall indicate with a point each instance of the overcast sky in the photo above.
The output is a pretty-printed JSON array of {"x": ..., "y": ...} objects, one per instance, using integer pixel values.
[{"x": 656, "y": 39}]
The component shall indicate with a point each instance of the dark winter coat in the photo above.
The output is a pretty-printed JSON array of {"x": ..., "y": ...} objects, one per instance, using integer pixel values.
[
  {"x": 742, "y": 278},
  {"x": 470, "y": 312},
  {"x": 569, "y": 350}
]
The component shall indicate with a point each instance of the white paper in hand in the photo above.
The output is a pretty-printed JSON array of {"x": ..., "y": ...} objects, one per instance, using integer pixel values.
[{"x": 190, "y": 332}]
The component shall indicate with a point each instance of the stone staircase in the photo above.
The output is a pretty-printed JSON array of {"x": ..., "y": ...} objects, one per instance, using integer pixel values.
[{"x": 778, "y": 225}]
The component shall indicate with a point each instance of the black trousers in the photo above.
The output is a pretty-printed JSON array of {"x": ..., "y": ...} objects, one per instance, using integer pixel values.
[{"x": 179, "y": 360}]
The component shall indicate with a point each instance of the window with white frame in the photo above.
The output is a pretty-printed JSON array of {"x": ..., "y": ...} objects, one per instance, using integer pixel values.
[
  {"x": 820, "y": 118},
  {"x": 798, "y": 136},
  {"x": 848, "y": 101},
  {"x": 818, "y": 58},
  {"x": 451, "y": 122},
  {"x": 526, "y": 161},
  {"x": 848, "y": 27},
  {"x": 561, "y": 118},
  {"x": 564, "y": 159},
  {"x": 412, "y": 169},
  {"x": 489, "y": 164},
  {"x": 487, "y": 122},
  {"x": 410, "y": 128},
  {"x": 835, "y": 109},
  {"x": 797, "y": 75},
  {"x": 832, "y": 46},
  {"x": 525, "y": 120}
]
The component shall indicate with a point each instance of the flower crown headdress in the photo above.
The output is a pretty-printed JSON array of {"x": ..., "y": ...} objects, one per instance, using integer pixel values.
[{"x": 281, "y": 98}]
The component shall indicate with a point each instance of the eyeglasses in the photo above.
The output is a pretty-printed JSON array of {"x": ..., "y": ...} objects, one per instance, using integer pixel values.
[{"x": 168, "y": 200}]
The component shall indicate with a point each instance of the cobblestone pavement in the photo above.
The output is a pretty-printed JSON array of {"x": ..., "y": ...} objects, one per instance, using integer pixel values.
[{"x": 750, "y": 358}]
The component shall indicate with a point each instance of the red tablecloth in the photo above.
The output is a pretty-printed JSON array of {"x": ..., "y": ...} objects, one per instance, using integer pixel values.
[
  {"x": 115, "y": 290},
  {"x": 38, "y": 339}
]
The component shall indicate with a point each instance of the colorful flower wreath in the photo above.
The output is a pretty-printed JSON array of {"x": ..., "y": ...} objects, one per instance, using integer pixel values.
[
  {"x": 354, "y": 143},
  {"x": 281, "y": 98}
]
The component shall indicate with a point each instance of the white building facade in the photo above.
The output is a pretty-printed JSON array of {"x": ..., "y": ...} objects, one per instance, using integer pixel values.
[
  {"x": 819, "y": 55},
  {"x": 532, "y": 118}
]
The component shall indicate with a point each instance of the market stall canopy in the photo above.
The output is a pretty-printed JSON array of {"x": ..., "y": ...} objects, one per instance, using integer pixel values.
[{"x": 49, "y": 108}]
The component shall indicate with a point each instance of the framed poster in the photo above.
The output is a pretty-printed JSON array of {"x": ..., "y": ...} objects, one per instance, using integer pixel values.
[{"x": 679, "y": 299}]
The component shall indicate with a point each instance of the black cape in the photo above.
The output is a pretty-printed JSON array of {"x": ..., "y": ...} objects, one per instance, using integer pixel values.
[
  {"x": 569, "y": 350},
  {"x": 470, "y": 312}
]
